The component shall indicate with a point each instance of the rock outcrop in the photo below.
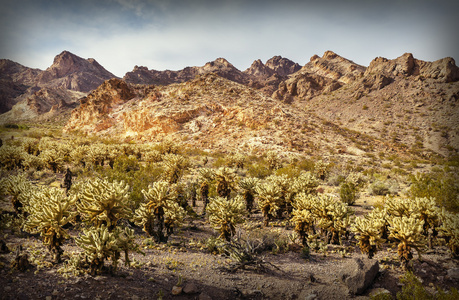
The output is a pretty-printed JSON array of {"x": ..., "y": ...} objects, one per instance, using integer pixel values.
[{"x": 94, "y": 109}]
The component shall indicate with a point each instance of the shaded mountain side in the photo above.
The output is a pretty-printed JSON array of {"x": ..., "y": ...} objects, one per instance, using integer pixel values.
[{"x": 45, "y": 104}]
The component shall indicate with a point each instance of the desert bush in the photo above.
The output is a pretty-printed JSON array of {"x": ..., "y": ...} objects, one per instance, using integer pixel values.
[
  {"x": 49, "y": 210},
  {"x": 303, "y": 216},
  {"x": 273, "y": 160},
  {"x": 348, "y": 193},
  {"x": 321, "y": 169},
  {"x": 383, "y": 187},
  {"x": 30, "y": 145},
  {"x": 224, "y": 214},
  {"x": 442, "y": 186},
  {"x": 104, "y": 202}
]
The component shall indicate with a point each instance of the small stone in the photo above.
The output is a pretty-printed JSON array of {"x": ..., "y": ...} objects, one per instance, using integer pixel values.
[
  {"x": 204, "y": 296},
  {"x": 453, "y": 273},
  {"x": 190, "y": 288},
  {"x": 49, "y": 298},
  {"x": 7, "y": 288},
  {"x": 176, "y": 290},
  {"x": 55, "y": 293},
  {"x": 135, "y": 297}
]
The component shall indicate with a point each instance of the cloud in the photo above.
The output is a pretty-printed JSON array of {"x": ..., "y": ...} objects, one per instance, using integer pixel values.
[{"x": 172, "y": 34}]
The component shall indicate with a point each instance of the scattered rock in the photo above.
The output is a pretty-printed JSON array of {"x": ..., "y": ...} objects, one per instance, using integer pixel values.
[
  {"x": 359, "y": 274},
  {"x": 190, "y": 288},
  {"x": 310, "y": 297},
  {"x": 453, "y": 273},
  {"x": 176, "y": 290}
]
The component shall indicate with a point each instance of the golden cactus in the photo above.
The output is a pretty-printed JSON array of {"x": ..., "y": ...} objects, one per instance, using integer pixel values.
[
  {"x": 159, "y": 197},
  {"x": 49, "y": 211},
  {"x": 269, "y": 200},
  {"x": 11, "y": 157},
  {"x": 305, "y": 183},
  {"x": 226, "y": 181},
  {"x": 52, "y": 159},
  {"x": 98, "y": 244},
  {"x": 303, "y": 216},
  {"x": 449, "y": 229},
  {"x": 106, "y": 202},
  {"x": 174, "y": 167},
  {"x": 408, "y": 232},
  {"x": 368, "y": 234},
  {"x": 15, "y": 186},
  {"x": 248, "y": 186},
  {"x": 224, "y": 214}
]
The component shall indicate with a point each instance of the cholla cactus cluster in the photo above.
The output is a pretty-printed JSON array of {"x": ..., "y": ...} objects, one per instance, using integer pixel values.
[
  {"x": 104, "y": 202},
  {"x": 369, "y": 235},
  {"x": 224, "y": 214},
  {"x": 160, "y": 213},
  {"x": 49, "y": 210}
]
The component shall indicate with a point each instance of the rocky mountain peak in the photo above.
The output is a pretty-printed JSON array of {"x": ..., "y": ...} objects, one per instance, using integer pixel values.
[
  {"x": 73, "y": 72},
  {"x": 259, "y": 70},
  {"x": 282, "y": 66}
]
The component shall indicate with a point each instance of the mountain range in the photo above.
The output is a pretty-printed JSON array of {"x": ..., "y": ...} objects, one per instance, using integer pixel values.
[{"x": 330, "y": 104}]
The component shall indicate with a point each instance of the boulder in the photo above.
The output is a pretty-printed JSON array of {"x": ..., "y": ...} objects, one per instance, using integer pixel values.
[{"x": 358, "y": 274}]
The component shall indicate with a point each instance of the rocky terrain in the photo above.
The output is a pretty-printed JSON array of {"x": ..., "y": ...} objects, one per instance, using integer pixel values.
[{"x": 329, "y": 103}]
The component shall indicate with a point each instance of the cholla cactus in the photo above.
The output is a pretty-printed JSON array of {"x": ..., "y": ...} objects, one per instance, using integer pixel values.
[
  {"x": 226, "y": 181},
  {"x": 286, "y": 186},
  {"x": 125, "y": 242},
  {"x": 104, "y": 202},
  {"x": 98, "y": 245},
  {"x": 450, "y": 231},
  {"x": 269, "y": 200},
  {"x": 426, "y": 210},
  {"x": 30, "y": 146},
  {"x": 11, "y": 157},
  {"x": 52, "y": 159},
  {"x": 174, "y": 167},
  {"x": 273, "y": 160},
  {"x": 153, "y": 156},
  {"x": 173, "y": 217},
  {"x": 303, "y": 216},
  {"x": 32, "y": 162},
  {"x": 321, "y": 169},
  {"x": 224, "y": 214},
  {"x": 398, "y": 207},
  {"x": 368, "y": 235},
  {"x": 49, "y": 211},
  {"x": 305, "y": 183},
  {"x": 248, "y": 186},
  {"x": 168, "y": 147},
  {"x": 333, "y": 217},
  {"x": 16, "y": 186},
  {"x": 80, "y": 154},
  {"x": 160, "y": 196},
  {"x": 380, "y": 220},
  {"x": 237, "y": 160},
  {"x": 408, "y": 231}
]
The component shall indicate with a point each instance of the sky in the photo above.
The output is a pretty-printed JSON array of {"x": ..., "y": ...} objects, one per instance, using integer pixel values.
[{"x": 173, "y": 34}]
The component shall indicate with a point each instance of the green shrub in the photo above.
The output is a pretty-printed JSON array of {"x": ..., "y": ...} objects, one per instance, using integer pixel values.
[
  {"x": 442, "y": 186},
  {"x": 348, "y": 193}
]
